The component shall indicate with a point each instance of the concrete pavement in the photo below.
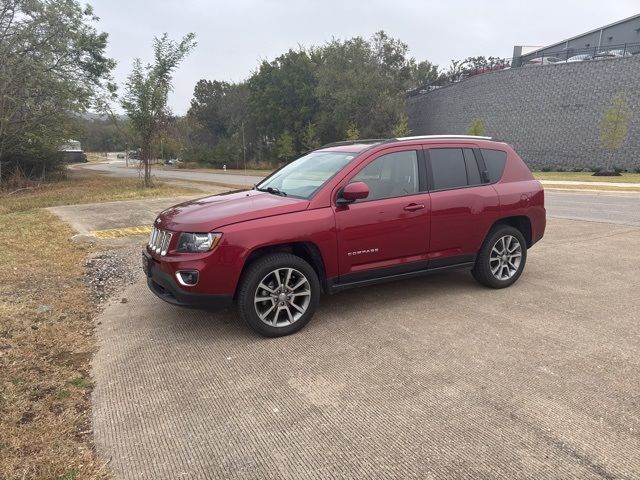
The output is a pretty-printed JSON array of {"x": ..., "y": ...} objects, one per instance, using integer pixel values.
[{"x": 428, "y": 378}]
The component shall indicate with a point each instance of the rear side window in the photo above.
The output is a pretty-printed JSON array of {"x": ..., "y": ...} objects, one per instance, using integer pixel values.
[
  {"x": 494, "y": 160},
  {"x": 448, "y": 168}
]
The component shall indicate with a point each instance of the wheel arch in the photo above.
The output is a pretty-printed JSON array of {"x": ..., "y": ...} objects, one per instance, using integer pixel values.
[
  {"x": 521, "y": 222},
  {"x": 308, "y": 251}
]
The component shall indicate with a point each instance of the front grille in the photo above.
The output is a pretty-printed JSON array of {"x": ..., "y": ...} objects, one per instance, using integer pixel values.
[{"x": 159, "y": 241}]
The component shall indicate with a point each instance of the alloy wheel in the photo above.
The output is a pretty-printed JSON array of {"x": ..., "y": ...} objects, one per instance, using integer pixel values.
[
  {"x": 505, "y": 258},
  {"x": 282, "y": 297}
]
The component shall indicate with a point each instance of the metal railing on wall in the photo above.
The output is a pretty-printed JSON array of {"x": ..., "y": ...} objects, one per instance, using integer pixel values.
[{"x": 478, "y": 66}]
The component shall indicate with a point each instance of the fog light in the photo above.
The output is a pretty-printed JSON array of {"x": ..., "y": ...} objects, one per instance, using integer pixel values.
[{"x": 187, "y": 278}]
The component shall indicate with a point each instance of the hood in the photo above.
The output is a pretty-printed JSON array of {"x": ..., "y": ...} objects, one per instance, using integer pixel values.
[{"x": 209, "y": 213}]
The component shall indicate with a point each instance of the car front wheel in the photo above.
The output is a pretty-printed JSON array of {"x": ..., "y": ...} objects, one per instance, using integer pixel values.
[
  {"x": 502, "y": 258},
  {"x": 278, "y": 294}
]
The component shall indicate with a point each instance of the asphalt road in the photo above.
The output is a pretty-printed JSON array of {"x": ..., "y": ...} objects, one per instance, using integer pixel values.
[
  {"x": 117, "y": 168},
  {"x": 617, "y": 208},
  {"x": 430, "y": 378}
]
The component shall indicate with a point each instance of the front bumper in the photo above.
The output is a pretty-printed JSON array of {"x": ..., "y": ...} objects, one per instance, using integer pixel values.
[{"x": 165, "y": 287}]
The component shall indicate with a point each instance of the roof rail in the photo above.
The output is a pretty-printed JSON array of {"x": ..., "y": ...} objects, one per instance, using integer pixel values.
[
  {"x": 355, "y": 142},
  {"x": 421, "y": 137}
]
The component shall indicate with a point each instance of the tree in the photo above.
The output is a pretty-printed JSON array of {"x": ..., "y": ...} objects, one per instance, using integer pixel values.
[
  {"x": 309, "y": 137},
  {"x": 615, "y": 124},
  {"x": 104, "y": 135},
  {"x": 282, "y": 94},
  {"x": 284, "y": 147},
  {"x": 219, "y": 115},
  {"x": 401, "y": 129},
  {"x": 425, "y": 73},
  {"x": 363, "y": 82},
  {"x": 352, "y": 132},
  {"x": 147, "y": 90},
  {"x": 53, "y": 68},
  {"x": 455, "y": 71},
  {"x": 476, "y": 127},
  {"x": 311, "y": 96}
]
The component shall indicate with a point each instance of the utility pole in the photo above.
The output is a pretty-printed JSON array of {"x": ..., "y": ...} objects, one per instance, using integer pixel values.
[
  {"x": 244, "y": 150},
  {"x": 161, "y": 151}
]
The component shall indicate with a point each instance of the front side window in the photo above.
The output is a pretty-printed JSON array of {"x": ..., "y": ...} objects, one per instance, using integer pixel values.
[
  {"x": 391, "y": 175},
  {"x": 304, "y": 176}
]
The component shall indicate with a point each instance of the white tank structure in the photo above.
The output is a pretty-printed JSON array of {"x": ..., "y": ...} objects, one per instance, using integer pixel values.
[{"x": 71, "y": 152}]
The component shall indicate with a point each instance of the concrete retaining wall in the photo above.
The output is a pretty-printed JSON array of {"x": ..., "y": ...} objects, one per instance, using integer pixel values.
[{"x": 552, "y": 114}]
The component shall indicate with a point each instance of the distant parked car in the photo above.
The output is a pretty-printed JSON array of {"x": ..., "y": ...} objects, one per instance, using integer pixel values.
[
  {"x": 611, "y": 54},
  {"x": 171, "y": 161},
  {"x": 120, "y": 155},
  {"x": 543, "y": 61},
  {"x": 489, "y": 68},
  {"x": 580, "y": 58}
]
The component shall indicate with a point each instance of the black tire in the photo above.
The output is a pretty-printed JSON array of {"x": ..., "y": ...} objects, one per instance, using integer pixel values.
[
  {"x": 248, "y": 292},
  {"x": 482, "y": 270}
]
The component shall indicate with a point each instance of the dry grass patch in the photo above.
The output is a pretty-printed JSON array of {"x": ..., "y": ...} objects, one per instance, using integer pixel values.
[
  {"x": 46, "y": 343},
  {"x": 46, "y": 331},
  {"x": 85, "y": 189}
]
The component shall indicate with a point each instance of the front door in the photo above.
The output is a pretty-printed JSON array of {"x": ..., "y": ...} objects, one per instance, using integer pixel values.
[{"x": 388, "y": 232}]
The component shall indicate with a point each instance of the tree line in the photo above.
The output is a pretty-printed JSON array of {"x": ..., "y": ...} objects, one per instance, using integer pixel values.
[
  {"x": 344, "y": 89},
  {"x": 54, "y": 69}
]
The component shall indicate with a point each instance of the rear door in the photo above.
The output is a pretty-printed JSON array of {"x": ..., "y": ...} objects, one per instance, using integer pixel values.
[
  {"x": 463, "y": 204},
  {"x": 388, "y": 232}
]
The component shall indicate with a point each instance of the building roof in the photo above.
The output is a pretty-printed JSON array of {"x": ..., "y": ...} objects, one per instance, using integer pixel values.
[{"x": 624, "y": 20}]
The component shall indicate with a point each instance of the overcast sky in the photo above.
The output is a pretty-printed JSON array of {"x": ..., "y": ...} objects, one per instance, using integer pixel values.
[{"x": 235, "y": 35}]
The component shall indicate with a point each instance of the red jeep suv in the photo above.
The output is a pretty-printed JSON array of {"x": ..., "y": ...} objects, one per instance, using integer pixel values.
[{"x": 347, "y": 215}]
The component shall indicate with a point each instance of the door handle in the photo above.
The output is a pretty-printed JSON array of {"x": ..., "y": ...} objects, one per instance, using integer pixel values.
[{"x": 412, "y": 207}]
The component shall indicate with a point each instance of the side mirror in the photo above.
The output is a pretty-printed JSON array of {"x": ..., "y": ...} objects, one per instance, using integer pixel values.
[{"x": 352, "y": 192}]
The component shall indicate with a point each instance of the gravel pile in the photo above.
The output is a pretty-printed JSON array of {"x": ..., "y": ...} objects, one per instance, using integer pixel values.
[{"x": 109, "y": 272}]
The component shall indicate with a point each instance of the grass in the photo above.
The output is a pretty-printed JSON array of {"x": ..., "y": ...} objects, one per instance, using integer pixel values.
[
  {"x": 599, "y": 188},
  {"x": 84, "y": 189},
  {"x": 587, "y": 177},
  {"x": 46, "y": 332}
]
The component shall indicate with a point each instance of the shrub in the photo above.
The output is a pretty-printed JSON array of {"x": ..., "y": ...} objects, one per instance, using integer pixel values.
[
  {"x": 546, "y": 169},
  {"x": 476, "y": 128}
]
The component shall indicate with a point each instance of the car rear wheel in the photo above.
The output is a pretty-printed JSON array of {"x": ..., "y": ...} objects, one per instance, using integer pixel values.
[
  {"x": 278, "y": 294},
  {"x": 502, "y": 258}
]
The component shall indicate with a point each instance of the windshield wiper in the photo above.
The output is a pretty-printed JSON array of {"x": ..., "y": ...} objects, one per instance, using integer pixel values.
[{"x": 272, "y": 190}]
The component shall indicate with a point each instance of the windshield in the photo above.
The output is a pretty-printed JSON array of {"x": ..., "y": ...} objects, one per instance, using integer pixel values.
[{"x": 304, "y": 176}]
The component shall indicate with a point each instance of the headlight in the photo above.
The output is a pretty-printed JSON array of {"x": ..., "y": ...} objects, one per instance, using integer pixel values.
[{"x": 197, "y": 242}]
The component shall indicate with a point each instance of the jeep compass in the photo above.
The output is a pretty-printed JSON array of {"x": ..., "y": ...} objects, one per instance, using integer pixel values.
[{"x": 346, "y": 215}]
